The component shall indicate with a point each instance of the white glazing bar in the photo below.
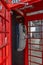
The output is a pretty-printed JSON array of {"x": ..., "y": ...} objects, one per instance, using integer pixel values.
[{"x": 34, "y": 13}]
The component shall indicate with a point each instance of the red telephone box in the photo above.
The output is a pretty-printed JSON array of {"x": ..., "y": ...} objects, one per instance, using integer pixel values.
[{"x": 33, "y": 17}]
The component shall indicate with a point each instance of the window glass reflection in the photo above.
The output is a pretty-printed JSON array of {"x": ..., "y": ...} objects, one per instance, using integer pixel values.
[
  {"x": 15, "y": 1},
  {"x": 35, "y": 41},
  {"x": 35, "y": 23},
  {"x": 35, "y": 29},
  {"x": 35, "y": 35}
]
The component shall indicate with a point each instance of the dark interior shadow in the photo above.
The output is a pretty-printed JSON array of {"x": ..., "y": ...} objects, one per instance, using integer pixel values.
[{"x": 17, "y": 57}]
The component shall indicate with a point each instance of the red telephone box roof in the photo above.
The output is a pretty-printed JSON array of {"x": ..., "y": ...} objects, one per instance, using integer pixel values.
[
  {"x": 37, "y": 5},
  {"x": 9, "y": 6}
]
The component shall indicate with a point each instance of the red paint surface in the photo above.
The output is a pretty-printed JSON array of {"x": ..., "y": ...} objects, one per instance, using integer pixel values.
[{"x": 5, "y": 31}]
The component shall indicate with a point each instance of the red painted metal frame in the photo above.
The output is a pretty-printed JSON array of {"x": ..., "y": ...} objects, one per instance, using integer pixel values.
[
  {"x": 10, "y": 6},
  {"x": 26, "y": 48},
  {"x": 35, "y": 7},
  {"x": 5, "y": 31}
]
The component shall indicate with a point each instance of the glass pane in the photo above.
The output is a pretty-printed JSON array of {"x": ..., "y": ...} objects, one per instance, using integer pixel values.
[
  {"x": 35, "y": 47},
  {"x": 34, "y": 23},
  {"x": 15, "y": 1},
  {"x": 34, "y": 35},
  {"x": 35, "y": 29},
  {"x": 36, "y": 53},
  {"x": 32, "y": 29},
  {"x": 37, "y": 60},
  {"x": 35, "y": 42},
  {"x": 34, "y": 64}
]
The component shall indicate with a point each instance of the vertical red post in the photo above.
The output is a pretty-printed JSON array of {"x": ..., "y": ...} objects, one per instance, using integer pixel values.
[
  {"x": 5, "y": 36},
  {"x": 26, "y": 48},
  {"x": 10, "y": 41}
]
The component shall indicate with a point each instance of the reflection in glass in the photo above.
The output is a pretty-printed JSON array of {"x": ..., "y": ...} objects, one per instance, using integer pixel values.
[
  {"x": 35, "y": 35},
  {"x": 15, "y": 1},
  {"x": 35, "y": 32},
  {"x": 35, "y": 23}
]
